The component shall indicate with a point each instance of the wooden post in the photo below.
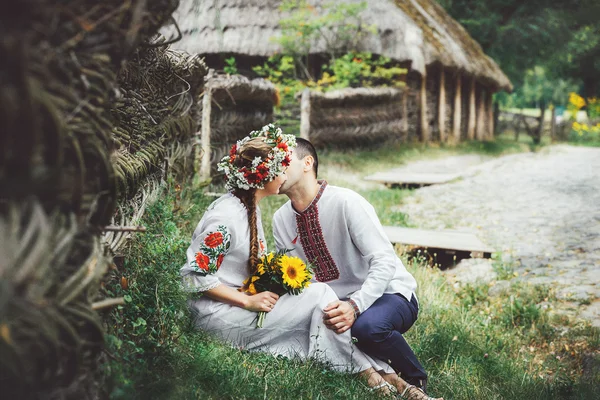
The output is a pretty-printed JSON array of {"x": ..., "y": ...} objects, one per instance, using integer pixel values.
[
  {"x": 423, "y": 101},
  {"x": 553, "y": 123},
  {"x": 490, "y": 117},
  {"x": 471, "y": 122},
  {"x": 480, "y": 126},
  {"x": 205, "y": 131},
  {"x": 305, "y": 114},
  {"x": 442, "y": 106},
  {"x": 405, "y": 114},
  {"x": 457, "y": 109}
]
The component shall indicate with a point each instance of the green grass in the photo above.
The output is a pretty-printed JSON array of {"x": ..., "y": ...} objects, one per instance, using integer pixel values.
[{"x": 473, "y": 345}]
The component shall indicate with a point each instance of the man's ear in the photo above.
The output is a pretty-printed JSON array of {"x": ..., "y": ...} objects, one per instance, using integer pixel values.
[{"x": 308, "y": 163}]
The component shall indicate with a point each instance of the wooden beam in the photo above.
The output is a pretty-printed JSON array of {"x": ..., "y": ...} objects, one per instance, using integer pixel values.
[
  {"x": 395, "y": 178},
  {"x": 114, "y": 228},
  {"x": 442, "y": 106},
  {"x": 405, "y": 114},
  {"x": 490, "y": 115},
  {"x": 305, "y": 114},
  {"x": 423, "y": 110},
  {"x": 481, "y": 113},
  {"x": 445, "y": 239},
  {"x": 107, "y": 303},
  {"x": 456, "y": 119},
  {"x": 205, "y": 131},
  {"x": 471, "y": 122}
]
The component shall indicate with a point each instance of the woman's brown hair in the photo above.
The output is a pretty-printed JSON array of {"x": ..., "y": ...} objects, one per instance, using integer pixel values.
[{"x": 246, "y": 154}]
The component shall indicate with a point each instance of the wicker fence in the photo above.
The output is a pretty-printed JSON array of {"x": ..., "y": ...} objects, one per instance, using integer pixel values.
[
  {"x": 232, "y": 106},
  {"x": 353, "y": 117},
  {"x": 93, "y": 111}
]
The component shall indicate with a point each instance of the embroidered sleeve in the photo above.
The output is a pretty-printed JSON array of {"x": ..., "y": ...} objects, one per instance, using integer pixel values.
[{"x": 211, "y": 251}]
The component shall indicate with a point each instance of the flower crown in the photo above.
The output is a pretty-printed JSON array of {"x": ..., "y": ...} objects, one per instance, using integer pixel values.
[{"x": 262, "y": 170}]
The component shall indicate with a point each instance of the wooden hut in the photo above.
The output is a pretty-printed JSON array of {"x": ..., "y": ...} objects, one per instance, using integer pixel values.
[{"x": 450, "y": 80}]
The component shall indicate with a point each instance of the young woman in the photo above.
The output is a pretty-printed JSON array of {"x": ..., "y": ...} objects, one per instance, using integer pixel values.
[{"x": 225, "y": 251}]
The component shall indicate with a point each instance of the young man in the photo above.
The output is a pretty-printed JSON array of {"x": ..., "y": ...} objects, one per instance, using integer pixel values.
[{"x": 338, "y": 231}]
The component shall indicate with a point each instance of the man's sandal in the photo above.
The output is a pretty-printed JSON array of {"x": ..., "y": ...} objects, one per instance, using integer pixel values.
[{"x": 412, "y": 392}]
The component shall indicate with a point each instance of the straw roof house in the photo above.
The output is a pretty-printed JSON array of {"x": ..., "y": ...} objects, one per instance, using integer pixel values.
[
  {"x": 444, "y": 61},
  {"x": 419, "y": 31}
]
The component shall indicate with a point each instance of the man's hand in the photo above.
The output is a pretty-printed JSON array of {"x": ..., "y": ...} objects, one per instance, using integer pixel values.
[{"x": 339, "y": 316}]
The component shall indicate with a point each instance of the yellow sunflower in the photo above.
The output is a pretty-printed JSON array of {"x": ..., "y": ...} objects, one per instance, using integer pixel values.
[
  {"x": 264, "y": 261},
  {"x": 260, "y": 268},
  {"x": 250, "y": 282},
  {"x": 294, "y": 272}
]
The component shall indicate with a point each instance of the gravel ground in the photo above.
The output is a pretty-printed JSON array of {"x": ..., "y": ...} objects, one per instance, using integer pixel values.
[{"x": 541, "y": 210}]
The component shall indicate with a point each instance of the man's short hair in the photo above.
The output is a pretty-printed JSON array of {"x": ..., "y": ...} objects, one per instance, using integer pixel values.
[{"x": 305, "y": 148}]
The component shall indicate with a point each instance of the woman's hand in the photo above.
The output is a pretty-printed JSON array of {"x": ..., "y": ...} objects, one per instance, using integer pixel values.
[{"x": 264, "y": 301}]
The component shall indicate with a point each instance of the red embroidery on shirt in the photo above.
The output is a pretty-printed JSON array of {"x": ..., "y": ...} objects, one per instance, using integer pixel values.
[
  {"x": 313, "y": 242},
  {"x": 214, "y": 239},
  {"x": 202, "y": 260}
]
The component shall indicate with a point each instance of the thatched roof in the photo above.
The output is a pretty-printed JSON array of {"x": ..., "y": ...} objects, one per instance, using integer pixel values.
[
  {"x": 419, "y": 31},
  {"x": 239, "y": 89},
  {"x": 354, "y": 96}
]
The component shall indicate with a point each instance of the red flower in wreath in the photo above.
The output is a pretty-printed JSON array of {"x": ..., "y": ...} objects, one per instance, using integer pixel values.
[
  {"x": 283, "y": 146},
  {"x": 232, "y": 152},
  {"x": 262, "y": 171},
  {"x": 286, "y": 161},
  {"x": 220, "y": 260},
  {"x": 214, "y": 239},
  {"x": 253, "y": 177},
  {"x": 202, "y": 260}
]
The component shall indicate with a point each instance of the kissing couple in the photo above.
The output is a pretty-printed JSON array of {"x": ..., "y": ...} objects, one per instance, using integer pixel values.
[{"x": 362, "y": 298}]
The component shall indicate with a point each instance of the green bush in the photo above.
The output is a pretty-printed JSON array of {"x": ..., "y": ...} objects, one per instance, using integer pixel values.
[{"x": 155, "y": 315}]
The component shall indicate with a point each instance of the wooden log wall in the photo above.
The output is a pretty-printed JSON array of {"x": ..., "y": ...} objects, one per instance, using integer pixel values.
[{"x": 447, "y": 106}]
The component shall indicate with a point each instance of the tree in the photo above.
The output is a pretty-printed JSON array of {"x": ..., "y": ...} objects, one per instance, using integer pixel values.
[
  {"x": 563, "y": 37},
  {"x": 543, "y": 90},
  {"x": 338, "y": 27}
]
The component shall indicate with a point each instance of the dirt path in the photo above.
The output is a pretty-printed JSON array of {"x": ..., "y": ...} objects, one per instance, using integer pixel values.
[{"x": 541, "y": 210}]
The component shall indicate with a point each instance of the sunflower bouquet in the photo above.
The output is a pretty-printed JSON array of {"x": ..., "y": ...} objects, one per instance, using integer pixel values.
[{"x": 278, "y": 273}]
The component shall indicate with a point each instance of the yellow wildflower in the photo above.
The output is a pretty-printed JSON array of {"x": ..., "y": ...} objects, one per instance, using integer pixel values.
[{"x": 576, "y": 100}]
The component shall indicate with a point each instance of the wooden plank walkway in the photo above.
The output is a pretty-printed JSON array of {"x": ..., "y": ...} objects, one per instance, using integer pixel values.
[
  {"x": 411, "y": 179},
  {"x": 443, "y": 240}
]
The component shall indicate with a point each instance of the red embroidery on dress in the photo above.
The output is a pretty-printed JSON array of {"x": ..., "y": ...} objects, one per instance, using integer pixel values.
[{"x": 313, "y": 242}]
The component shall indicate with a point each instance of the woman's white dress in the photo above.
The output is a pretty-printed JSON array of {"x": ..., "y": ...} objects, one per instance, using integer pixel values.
[{"x": 295, "y": 325}]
